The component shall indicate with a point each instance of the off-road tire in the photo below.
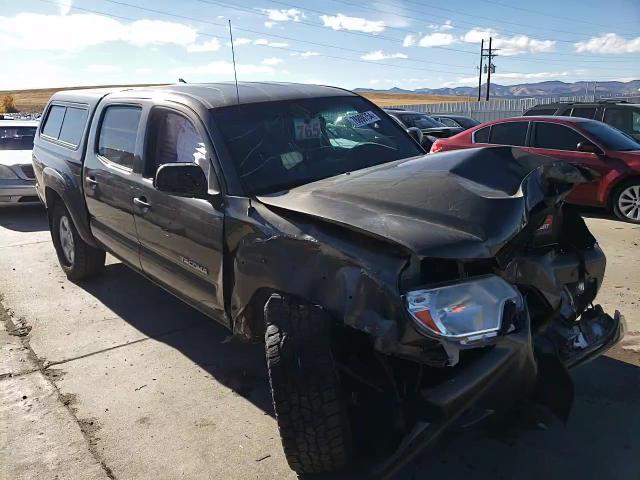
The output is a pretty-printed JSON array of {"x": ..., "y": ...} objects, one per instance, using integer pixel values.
[
  {"x": 307, "y": 398},
  {"x": 88, "y": 261},
  {"x": 635, "y": 182}
]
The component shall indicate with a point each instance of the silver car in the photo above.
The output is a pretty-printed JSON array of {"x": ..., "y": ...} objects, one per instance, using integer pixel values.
[{"x": 17, "y": 180}]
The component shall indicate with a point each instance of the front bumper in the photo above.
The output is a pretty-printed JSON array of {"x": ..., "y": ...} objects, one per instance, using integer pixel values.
[
  {"x": 18, "y": 191},
  {"x": 504, "y": 374}
]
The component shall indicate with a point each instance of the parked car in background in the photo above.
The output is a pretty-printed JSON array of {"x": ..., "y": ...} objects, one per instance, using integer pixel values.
[
  {"x": 17, "y": 180},
  {"x": 456, "y": 120},
  {"x": 614, "y": 155},
  {"x": 619, "y": 114},
  {"x": 393, "y": 291},
  {"x": 424, "y": 122}
]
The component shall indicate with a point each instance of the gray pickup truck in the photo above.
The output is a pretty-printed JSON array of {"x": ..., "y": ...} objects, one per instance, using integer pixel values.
[{"x": 397, "y": 293}]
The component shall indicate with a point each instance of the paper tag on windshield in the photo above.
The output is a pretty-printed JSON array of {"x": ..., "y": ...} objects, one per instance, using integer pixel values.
[
  {"x": 362, "y": 119},
  {"x": 307, "y": 129}
]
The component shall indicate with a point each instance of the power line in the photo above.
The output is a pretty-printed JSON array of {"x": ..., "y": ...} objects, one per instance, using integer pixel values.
[
  {"x": 335, "y": 57},
  {"x": 272, "y": 35},
  {"x": 491, "y": 19},
  {"x": 376, "y": 36},
  {"x": 453, "y": 27},
  {"x": 547, "y": 14}
]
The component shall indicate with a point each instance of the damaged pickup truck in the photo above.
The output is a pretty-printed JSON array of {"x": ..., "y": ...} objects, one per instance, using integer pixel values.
[{"x": 397, "y": 293}]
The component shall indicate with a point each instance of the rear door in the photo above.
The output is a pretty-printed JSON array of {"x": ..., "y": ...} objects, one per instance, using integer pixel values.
[
  {"x": 109, "y": 179},
  {"x": 561, "y": 141},
  {"x": 181, "y": 239}
]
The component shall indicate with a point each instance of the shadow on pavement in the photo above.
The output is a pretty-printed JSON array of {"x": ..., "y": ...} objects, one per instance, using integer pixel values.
[
  {"x": 24, "y": 218},
  {"x": 599, "y": 441},
  {"x": 161, "y": 316}
]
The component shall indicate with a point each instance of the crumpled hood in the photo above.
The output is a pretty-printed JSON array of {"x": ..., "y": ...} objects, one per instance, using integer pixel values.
[
  {"x": 459, "y": 204},
  {"x": 15, "y": 157}
]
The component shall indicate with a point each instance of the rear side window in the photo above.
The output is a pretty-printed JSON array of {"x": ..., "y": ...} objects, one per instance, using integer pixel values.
[
  {"x": 482, "y": 135},
  {"x": 53, "y": 122},
  {"x": 118, "y": 133},
  {"x": 73, "y": 125},
  {"x": 556, "y": 137},
  {"x": 448, "y": 122},
  {"x": 619, "y": 118},
  {"x": 509, "y": 133},
  {"x": 584, "y": 112}
]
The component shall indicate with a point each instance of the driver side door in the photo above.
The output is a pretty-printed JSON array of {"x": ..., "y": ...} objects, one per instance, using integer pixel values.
[{"x": 181, "y": 239}]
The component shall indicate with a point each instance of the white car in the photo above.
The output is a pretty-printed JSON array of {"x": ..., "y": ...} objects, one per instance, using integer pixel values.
[{"x": 17, "y": 180}]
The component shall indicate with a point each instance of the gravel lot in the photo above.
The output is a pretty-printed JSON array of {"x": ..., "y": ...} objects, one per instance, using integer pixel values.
[{"x": 115, "y": 378}]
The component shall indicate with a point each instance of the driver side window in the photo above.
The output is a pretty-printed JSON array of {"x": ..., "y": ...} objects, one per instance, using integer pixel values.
[{"x": 172, "y": 139}]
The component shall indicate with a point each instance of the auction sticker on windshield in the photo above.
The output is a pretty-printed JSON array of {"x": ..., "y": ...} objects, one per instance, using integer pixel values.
[
  {"x": 362, "y": 119},
  {"x": 307, "y": 128}
]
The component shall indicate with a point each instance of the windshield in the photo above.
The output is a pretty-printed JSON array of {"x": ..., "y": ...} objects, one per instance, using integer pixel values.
[
  {"x": 279, "y": 145},
  {"x": 17, "y": 138},
  {"x": 611, "y": 138},
  {"x": 419, "y": 120}
]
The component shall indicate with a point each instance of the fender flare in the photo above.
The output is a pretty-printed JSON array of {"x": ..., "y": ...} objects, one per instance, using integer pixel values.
[{"x": 73, "y": 199}]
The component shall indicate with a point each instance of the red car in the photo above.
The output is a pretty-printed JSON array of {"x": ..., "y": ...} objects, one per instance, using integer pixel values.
[{"x": 613, "y": 154}]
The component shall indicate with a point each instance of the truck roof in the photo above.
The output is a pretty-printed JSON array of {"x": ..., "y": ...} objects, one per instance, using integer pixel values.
[{"x": 212, "y": 95}]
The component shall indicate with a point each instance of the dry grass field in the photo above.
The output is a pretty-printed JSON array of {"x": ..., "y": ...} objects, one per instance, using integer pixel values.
[
  {"x": 33, "y": 101},
  {"x": 385, "y": 99}
]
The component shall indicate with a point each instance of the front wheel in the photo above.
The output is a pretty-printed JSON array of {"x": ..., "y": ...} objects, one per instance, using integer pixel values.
[
  {"x": 307, "y": 398},
  {"x": 626, "y": 201},
  {"x": 77, "y": 258}
]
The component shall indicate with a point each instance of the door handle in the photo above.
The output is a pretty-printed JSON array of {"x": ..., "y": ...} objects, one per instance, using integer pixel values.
[
  {"x": 92, "y": 181},
  {"x": 142, "y": 202}
]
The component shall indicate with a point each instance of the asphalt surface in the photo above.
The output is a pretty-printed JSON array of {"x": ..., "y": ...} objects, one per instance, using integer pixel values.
[{"x": 115, "y": 378}]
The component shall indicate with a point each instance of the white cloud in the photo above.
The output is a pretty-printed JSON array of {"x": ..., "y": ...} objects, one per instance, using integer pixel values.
[
  {"x": 99, "y": 68},
  {"x": 283, "y": 15},
  {"x": 518, "y": 44},
  {"x": 343, "y": 22},
  {"x": 212, "y": 45},
  {"x": 272, "y": 61},
  {"x": 437, "y": 39},
  {"x": 77, "y": 31},
  {"x": 144, "y": 70},
  {"x": 609, "y": 43},
  {"x": 448, "y": 25},
  {"x": 508, "y": 46},
  {"x": 409, "y": 41},
  {"x": 222, "y": 69},
  {"x": 380, "y": 55},
  {"x": 306, "y": 54},
  {"x": 264, "y": 41},
  {"x": 238, "y": 42},
  {"x": 269, "y": 24},
  {"x": 65, "y": 6}
]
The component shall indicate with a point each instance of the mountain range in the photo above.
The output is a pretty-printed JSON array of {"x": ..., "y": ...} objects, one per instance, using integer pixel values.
[{"x": 553, "y": 88}]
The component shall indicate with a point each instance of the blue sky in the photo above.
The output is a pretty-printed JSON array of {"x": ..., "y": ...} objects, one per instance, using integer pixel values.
[{"x": 350, "y": 43}]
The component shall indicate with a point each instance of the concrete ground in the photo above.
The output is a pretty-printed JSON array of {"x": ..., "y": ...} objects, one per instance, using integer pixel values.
[{"x": 114, "y": 378}]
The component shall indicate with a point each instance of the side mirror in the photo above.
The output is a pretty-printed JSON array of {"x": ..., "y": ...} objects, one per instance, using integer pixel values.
[
  {"x": 181, "y": 179},
  {"x": 416, "y": 134},
  {"x": 588, "y": 147}
]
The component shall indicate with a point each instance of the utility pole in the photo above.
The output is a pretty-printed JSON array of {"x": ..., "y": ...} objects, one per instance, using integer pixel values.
[
  {"x": 489, "y": 68},
  {"x": 480, "y": 70}
]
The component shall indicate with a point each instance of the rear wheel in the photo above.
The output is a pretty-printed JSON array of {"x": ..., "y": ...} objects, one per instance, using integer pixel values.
[
  {"x": 307, "y": 398},
  {"x": 626, "y": 201},
  {"x": 77, "y": 258}
]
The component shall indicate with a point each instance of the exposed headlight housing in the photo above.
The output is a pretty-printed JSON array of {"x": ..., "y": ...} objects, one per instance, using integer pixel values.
[
  {"x": 464, "y": 312},
  {"x": 6, "y": 173}
]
